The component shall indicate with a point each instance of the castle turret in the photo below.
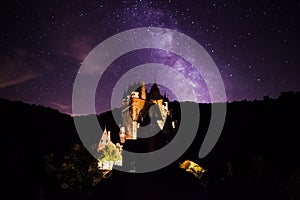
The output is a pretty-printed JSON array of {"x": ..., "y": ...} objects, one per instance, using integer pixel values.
[
  {"x": 136, "y": 109},
  {"x": 155, "y": 93},
  {"x": 143, "y": 90},
  {"x": 124, "y": 95},
  {"x": 105, "y": 139}
]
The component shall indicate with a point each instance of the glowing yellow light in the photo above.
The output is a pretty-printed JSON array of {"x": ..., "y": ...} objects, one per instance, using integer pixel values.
[{"x": 193, "y": 168}]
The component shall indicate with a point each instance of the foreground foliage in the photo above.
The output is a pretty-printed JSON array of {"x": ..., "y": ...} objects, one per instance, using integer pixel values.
[{"x": 77, "y": 170}]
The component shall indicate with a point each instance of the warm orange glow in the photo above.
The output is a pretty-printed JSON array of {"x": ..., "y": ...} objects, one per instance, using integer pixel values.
[{"x": 193, "y": 168}]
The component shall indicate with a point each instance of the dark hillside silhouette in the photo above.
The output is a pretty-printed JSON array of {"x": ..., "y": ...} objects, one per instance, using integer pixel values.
[{"x": 256, "y": 156}]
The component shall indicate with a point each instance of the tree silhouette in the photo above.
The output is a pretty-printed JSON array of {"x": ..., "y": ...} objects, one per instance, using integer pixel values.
[{"x": 77, "y": 170}]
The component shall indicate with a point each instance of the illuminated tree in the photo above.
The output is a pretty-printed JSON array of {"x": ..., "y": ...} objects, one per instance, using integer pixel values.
[{"x": 110, "y": 153}]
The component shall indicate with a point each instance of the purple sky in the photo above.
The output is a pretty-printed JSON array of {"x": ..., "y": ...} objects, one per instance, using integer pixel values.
[{"x": 254, "y": 44}]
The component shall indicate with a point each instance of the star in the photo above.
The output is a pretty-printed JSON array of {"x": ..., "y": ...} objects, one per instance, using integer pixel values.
[{"x": 43, "y": 45}]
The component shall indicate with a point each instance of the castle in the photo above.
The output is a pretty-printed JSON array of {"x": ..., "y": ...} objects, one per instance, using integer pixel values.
[
  {"x": 136, "y": 104},
  {"x": 114, "y": 157},
  {"x": 138, "y": 108}
]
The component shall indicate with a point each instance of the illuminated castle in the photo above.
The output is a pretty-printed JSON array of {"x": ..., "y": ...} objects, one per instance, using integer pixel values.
[
  {"x": 139, "y": 109},
  {"x": 112, "y": 155},
  {"x": 136, "y": 104}
]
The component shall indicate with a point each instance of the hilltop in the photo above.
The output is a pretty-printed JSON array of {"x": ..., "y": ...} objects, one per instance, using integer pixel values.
[{"x": 256, "y": 155}]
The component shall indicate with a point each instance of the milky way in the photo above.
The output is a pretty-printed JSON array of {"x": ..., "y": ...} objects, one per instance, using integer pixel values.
[{"x": 255, "y": 45}]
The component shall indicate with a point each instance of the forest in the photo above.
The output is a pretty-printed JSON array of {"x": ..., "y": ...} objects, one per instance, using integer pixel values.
[{"x": 256, "y": 156}]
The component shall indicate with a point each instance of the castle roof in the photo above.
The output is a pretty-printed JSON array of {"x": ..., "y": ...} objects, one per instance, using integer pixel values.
[
  {"x": 155, "y": 93},
  {"x": 134, "y": 87},
  {"x": 124, "y": 95}
]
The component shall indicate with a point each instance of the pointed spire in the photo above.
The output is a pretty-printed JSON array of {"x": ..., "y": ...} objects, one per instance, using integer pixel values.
[
  {"x": 155, "y": 93},
  {"x": 124, "y": 95},
  {"x": 106, "y": 134}
]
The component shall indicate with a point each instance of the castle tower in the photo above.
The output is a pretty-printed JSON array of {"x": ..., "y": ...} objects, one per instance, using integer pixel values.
[
  {"x": 136, "y": 109},
  {"x": 105, "y": 139},
  {"x": 143, "y": 90},
  {"x": 155, "y": 93}
]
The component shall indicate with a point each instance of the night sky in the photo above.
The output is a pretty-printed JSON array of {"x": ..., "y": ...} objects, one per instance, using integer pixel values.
[{"x": 43, "y": 43}]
